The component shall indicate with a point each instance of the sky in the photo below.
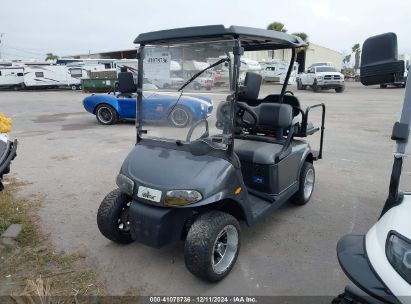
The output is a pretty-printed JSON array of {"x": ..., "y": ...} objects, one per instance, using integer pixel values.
[{"x": 33, "y": 28}]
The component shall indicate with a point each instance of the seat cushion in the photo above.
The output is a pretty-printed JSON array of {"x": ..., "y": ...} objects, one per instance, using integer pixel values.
[{"x": 256, "y": 151}]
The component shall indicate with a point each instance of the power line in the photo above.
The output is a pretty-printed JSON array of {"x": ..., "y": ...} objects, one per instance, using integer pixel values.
[{"x": 23, "y": 50}]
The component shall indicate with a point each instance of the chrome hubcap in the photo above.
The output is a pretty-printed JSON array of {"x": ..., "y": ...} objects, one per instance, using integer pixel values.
[
  {"x": 224, "y": 249},
  {"x": 179, "y": 117},
  {"x": 104, "y": 114},
  {"x": 308, "y": 184}
]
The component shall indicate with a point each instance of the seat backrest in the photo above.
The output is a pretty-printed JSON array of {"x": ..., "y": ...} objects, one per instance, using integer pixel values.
[
  {"x": 288, "y": 99},
  {"x": 274, "y": 116},
  {"x": 126, "y": 83},
  {"x": 251, "y": 88}
]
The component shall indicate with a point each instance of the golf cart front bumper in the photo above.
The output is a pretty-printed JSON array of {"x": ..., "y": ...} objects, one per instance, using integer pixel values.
[
  {"x": 353, "y": 259},
  {"x": 157, "y": 226}
]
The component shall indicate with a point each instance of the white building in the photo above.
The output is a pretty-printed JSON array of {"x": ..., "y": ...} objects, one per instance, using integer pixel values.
[{"x": 314, "y": 53}]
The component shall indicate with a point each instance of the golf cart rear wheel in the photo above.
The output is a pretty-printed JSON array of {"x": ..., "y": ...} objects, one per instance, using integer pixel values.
[
  {"x": 106, "y": 114},
  {"x": 180, "y": 117},
  {"x": 306, "y": 187},
  {"x": 113, "y": 217},
  {"x": 212, "y": 245}
]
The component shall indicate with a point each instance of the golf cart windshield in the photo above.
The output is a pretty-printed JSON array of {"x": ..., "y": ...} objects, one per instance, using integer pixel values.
[{"x": 188, "y": 80}]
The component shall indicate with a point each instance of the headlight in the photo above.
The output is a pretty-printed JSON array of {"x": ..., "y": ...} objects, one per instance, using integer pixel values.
[
  {"x": 320, "y": 77},
  {"x": 182, "y": 197},
  {"x": 398, "y": 252},
  {"x": 125, "y": 184}
]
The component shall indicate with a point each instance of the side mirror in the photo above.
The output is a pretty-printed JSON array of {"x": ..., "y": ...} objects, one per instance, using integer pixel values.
[{"x": 379, "y": 60}]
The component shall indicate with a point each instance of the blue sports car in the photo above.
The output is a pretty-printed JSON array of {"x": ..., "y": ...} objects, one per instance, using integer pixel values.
[{"x": 109, "y": 109}]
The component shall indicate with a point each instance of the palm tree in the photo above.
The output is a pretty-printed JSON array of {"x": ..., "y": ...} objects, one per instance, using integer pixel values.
[
  {"x": 304, "y": 37},
  {"x": 277, "y": 26},
  {"x": 51, "y": 57},
  {"x": 356, "y": 49},
  {"x": 347, "y": 60}
]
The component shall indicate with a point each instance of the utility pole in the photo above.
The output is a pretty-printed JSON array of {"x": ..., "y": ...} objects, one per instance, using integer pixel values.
[{"x": 1, "y": 36}]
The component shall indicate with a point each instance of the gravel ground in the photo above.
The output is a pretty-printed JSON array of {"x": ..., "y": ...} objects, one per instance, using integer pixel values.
[{"x": 66, "y": 155}]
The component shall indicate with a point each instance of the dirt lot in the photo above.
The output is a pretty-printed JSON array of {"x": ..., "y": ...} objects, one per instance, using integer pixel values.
[{"x": 71, "y": 159}]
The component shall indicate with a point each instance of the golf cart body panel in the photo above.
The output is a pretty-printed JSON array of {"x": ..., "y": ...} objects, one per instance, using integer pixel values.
[
  {"x": 395, "y": 221},
  {"x": 157, "y": 107},
  {"x": 354, "y": 260}
]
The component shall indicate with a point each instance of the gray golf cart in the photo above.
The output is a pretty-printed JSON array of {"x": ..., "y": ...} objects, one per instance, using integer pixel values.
[{"x": 244, "y": 162}]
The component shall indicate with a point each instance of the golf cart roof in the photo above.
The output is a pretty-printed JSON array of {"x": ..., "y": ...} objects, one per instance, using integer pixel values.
[{"x": 252, "y": 39}]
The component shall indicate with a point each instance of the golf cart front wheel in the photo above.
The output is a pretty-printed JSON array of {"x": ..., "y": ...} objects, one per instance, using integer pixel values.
[
  {"x": 212, "y": 246},
  {"x": 113, "y": 217},
  {"x": 306, "y": 185}
]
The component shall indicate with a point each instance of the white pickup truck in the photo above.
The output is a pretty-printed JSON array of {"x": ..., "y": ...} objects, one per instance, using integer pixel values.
[{"x": 321, "y": 78}]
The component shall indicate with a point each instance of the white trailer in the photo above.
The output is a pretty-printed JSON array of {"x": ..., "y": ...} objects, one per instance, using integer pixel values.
[
  {"x": 11, "y": 77},
  {"x": 82, "y": 69},
  {"x": 52, "y": 76}
]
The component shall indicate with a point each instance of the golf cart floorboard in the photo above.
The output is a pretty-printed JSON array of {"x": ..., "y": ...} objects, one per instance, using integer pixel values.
[
  {"x": 261, "y": 206},
  {"x": 258, "y": 205}
]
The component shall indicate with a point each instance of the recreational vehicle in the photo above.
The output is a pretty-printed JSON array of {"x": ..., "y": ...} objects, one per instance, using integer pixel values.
[
  {"x": 53, "y": 76},
  {"x": 276, "y": 71},
  {"x": 11, "y": 77}
]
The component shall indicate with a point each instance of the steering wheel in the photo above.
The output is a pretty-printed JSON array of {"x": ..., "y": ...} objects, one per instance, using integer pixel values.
[
  {"x": 289, "y": 92},
  {"x": 240, "y": 121}
]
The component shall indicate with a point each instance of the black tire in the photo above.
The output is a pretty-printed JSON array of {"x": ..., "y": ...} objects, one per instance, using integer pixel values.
[
  {"x": 16, "y": 88},
  {"x": 201, "y": 246},
  {"x": 180, "y": 117},
  {"x": 340, "y": 89},
  {"x": 106, "y": 114},
  {"x": 112, "y": 212},
  {"x": 383, "y": 86},
  {"x": 303, "y": 196},
  {"x": 299, "y": 85},
  {"x": 74, "y": 87},
  {"x": 315, "y": 86}
]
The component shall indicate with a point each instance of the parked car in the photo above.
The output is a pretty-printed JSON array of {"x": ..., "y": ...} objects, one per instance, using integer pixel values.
[
  {"x": 321, "y": 78},
  {"x": 111, "y": 108}
]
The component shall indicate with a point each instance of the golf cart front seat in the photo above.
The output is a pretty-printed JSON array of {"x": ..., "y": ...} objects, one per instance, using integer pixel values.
[
  {"x": 271, "y": 118},
  {"x": 261, "y": 149}
]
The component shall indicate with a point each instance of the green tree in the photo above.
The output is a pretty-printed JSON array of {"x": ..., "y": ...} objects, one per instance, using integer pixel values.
[
  {"x": 356, "y": 49},
  {"x": 347, "y": 60},
  {"x": 304, "y": 37},
  {"x": 277, "y": 26},
  {"x": 51, "y": 57}
]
